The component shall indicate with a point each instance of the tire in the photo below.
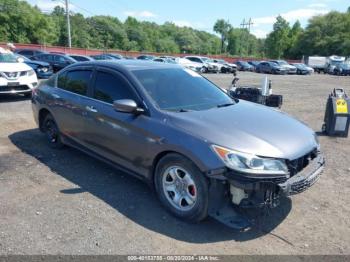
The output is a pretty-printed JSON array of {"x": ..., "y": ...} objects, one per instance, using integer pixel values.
[
  {"x": 52, "y": 132},
  {"x": 178, "y": 177},
  {"x": 204, "y": 70}
]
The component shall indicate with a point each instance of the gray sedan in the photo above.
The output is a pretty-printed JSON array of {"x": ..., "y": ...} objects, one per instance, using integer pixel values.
[{"x": 202, "y": 151}]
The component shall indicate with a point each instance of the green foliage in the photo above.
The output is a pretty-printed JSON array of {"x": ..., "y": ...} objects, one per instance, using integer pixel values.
[
  {"x": 327, "y": 35},
  {"x": 324, "y": 35},
  {"x": 222, "y": 27},
  {"x": 277, "y": 42},
  {"x": 242, "y": 43}
]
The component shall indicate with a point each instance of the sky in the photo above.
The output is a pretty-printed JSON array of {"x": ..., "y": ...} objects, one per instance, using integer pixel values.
[{"x": 202, "y": 14}]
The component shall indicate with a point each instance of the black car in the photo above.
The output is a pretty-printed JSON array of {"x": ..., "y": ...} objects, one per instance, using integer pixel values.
[
  {"x": 57, "y": 61},
  {"x": 81, "y": 58},
  {"x": 29, "y": 52},
  {"x": 254, "y": 64},
  {"x": 270, "y": 68},
  {"x": 114, "y": 55},
  {"x": 146, "y": 57},
  {"x": 342, "y": 69},
  {"x": 168, "y": 126},
  {"x": 103, "y": 57},
  {"x": 244, "y": 66},
  {"x": 42, "y": 69}
]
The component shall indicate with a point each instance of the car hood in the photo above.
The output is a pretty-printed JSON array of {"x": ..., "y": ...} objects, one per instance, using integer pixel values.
[
  {"x": 14, "y": 67},
  {"x": 249, "y": 128}
]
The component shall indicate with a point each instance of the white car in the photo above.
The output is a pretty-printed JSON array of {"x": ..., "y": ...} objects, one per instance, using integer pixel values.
[
  {"x": 16, "y": 77},
  {"x": 198, "y": 67},
  {"x": 207, "y": 65}
]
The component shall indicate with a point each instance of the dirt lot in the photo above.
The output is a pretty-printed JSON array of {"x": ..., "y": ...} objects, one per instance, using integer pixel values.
[{"x": 64, "y": 202}]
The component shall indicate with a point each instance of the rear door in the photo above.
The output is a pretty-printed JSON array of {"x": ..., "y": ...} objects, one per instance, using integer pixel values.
[
  {"x": 119, "y": 137},
  {"x": 70, "y": 101}
]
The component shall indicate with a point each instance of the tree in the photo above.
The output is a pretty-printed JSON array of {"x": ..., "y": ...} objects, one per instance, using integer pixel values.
[
  {"x": 278, "y": 40},
  {"x": 222, "y": 27}
]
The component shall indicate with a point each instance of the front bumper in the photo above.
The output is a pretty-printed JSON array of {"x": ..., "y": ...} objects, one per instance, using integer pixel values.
[
  {"x": 305, "y": 179},
  {"x": 19, "y": 85}
]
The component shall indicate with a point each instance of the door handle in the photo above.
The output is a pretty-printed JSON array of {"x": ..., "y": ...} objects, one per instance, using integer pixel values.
[{"x": 91, "y": 109}]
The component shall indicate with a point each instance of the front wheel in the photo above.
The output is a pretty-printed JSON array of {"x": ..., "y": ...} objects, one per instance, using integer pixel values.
[
  {"x": 52, "y": 132},
  {"x": 182, "y": 188}
]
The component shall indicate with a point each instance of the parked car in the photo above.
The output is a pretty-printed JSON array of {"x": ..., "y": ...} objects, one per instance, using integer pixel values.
[
  {"x": 198, "y": 67},
  {"x": 168, "y": 57},
  {"x": 29, "y": 52},
  {"x": 164, "y": 60},
  {"x": 332, "y": 62},
  {"x": 129, "y": 57},
  {"x": 81, "y": 58},
  {"x": 103, "y": 57},
  {"x": 16, "y": 77},
  {"x": 207, "y": 65},
  {"x": 56, "y": 61},
  {"x": 254, "y": 64},
  {"x": 342, "y": 69},
  {"x": 271, "y": 68},
  {"x": 303, "y": 69},
  {"x": 42, "y": 69},
  {"x": 244, "y": 66},
  {"x": 146, "y": 57},
  {"x": 203, "y": 152},
  {"x": 116, "y": 56},
  {"x": 226, "y": 67},
  {"x": 289, "y": 68}
]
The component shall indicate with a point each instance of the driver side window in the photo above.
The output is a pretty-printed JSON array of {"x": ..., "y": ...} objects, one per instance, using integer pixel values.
[{"x": 110, "y": 87}]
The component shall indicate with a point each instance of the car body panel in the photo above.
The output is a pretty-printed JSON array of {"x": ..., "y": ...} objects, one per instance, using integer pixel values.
[{"x": 135, "y": 141}]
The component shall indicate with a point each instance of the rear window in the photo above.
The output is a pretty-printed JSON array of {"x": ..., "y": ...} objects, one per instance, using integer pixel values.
[{"x": 76, "y": 81}]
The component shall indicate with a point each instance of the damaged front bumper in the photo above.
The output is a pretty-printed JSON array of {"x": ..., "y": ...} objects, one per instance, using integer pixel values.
[
  {"x": 305, "y": 179},
  {"x": 258, "y": 191}
]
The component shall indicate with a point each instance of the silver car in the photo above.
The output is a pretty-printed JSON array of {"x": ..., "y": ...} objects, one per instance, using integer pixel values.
[{"x": 202, "y": 151}]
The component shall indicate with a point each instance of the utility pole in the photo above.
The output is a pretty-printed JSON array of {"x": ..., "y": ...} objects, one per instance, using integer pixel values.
[
  {"x": 68, "y": 25},
  {"x": 244, "y": 25}
]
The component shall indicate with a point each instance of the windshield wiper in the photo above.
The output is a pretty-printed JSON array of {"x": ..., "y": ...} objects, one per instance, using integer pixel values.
[{"x": 225, "y": 105}]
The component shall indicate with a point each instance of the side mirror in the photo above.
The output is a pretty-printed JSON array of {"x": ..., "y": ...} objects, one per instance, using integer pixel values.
[{"x": 127, "y": 106}]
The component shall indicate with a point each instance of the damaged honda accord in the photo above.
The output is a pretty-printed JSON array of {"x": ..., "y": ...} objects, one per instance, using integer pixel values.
[{"x": 204, "y": 152}]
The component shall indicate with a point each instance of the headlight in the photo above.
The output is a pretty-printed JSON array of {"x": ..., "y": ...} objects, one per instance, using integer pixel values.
[
  {"x": 31, "y": 72},
  {"x": 248, "y": 163}
]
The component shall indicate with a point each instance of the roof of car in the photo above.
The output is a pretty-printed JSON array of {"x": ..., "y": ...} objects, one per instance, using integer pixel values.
[{"x": 129, "y": 65}]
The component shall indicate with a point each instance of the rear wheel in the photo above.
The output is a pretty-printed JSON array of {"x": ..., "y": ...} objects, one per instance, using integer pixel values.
[
  {"x": 52, "y": 132},
  {"x": 182, "y": 188}
]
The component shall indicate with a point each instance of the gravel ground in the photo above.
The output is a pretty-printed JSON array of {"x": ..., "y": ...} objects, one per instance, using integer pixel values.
[{"x": 64, "y": 202}]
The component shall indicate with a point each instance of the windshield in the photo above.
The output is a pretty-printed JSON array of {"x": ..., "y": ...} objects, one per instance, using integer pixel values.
[
  {"x": 7, "y": 58},
  {"x": 181, "y": 89}
]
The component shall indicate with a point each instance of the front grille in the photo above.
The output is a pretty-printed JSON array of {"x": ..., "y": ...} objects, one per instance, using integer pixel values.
[
  {"x": 297, "y": 165},
  {"x": 14, "y": 88}
]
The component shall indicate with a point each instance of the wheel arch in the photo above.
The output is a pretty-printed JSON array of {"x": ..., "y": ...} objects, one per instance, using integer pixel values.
[{"x": 162, "y": 154}]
